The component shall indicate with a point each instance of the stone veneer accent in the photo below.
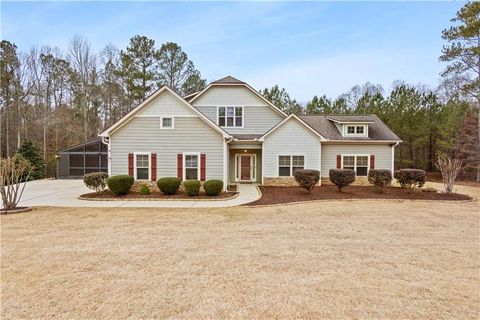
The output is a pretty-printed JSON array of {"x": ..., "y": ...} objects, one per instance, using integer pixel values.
[
  {"x": 280, "y": 181},
  {"x": 359, "y": 181}
]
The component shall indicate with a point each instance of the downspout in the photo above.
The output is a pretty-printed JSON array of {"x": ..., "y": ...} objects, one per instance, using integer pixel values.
[
  {"x": 393, "y": 156},
  {"x": 226, "y": 163},
  {"x": 106, "y": 141}
]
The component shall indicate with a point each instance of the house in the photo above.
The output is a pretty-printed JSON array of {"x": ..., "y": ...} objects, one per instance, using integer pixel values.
[{"x": 229, "y": 131}]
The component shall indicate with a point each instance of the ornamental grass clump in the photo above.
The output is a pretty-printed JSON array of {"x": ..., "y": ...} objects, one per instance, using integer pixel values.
[
  {"x": 341, "y": 177},
  {"x": 410, "y": 178},
  {"x": 380, "y": 178},
  {"x": 307, "y": 179}
]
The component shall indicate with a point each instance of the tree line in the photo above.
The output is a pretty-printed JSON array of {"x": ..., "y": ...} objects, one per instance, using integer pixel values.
[{"x": 57, "y": 98}]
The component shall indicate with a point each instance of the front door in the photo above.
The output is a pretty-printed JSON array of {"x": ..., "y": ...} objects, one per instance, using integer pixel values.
[{"x": 245, "y": 167}]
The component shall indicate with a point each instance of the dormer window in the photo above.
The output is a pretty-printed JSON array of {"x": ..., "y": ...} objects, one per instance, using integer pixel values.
[
  {"x": 356, "y": 130},
  {"x": 230, "y": 117}
]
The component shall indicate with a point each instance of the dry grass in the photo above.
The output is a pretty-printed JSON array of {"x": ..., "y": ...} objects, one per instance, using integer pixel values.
[{"x": 339, "y": 259}]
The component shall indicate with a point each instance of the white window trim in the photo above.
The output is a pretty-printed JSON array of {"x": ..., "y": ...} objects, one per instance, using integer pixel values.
[
  {"x": 234, "y": 126},
  {"x": 253, "y": 163},
  {"x": 149, "y": 165},
  {"x": 355, "y": 161},
  {"x": 346, "y": 134},
  {"x": 185, "y": 167},
  {"x": 167, "y": 128},
  {"x": 291, "y": 162}
]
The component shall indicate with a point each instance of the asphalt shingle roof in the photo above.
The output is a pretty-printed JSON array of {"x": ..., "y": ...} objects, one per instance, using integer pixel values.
[
  {"x": 228, "y": 80},
  {"x": 246, "y": 136},
  {"x": 377, "y": 130}
]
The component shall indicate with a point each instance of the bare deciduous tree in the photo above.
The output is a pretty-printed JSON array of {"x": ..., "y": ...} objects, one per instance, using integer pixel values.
[
  {"x": 449, "y": 168},
  {"x": 14, "y": 173}
]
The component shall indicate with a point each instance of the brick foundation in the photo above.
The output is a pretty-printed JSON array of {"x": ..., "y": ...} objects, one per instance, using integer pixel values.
[{"x": 359, "y": 181}]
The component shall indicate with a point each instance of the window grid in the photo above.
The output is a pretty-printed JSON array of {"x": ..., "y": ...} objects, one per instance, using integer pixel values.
[
  {"x": 142, "y": 164},
  {"x": 191, "y": 166},
  {"x": 357, "y": 163},
  {"x": 167, "y": 123},
  {"x": 288, "y": 165},
  {"x": 230, "y": 117}
]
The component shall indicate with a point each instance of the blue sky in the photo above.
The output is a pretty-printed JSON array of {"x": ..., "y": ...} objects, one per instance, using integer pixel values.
[{"x": 310, "y": 48}]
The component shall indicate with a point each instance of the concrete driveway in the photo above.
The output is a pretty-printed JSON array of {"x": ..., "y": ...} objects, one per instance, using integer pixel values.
[{"x": 64, "y": 193}]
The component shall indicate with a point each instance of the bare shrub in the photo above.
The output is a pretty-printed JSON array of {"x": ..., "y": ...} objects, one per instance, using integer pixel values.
[
  {"x": 380, "y": 178},
  {"x": 410, "y": 178},
  {"x": 341, "y": 177},
  {"x": 96, "y": 181},
  {"x": 449, "y": 168},
  {"x": 307, "y": 179},
  {"x": 14, "y": 173}
]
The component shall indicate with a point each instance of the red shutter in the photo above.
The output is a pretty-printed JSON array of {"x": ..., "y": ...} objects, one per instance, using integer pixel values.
[
  {"x": 154, "y": 166},
  {"x": 130, "y": 164},
  {"x": 203, "y": 166},
  {"x": 339, "y": 161},
  {"x": 372, "y": 162},
  {"x": 180, "y": 166}
]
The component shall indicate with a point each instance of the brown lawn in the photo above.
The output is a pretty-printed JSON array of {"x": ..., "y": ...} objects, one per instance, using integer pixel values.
[{"x": 383, "y": 259}]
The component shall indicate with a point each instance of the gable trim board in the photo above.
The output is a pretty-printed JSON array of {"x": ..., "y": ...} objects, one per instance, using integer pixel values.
[
  {"x": 125, "y": 119},
  {"x": 255, "y": 92},
  {"x": 292, "y": 116}
]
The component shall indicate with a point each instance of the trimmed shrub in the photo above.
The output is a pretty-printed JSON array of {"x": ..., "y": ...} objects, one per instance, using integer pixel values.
[
  {"x": 213, "y": 187},
  {"x": 380, "y": 178},
  {"x": 144, "y": 190},
  {"x": 169, "y": 185},
  {"x": 307, "y": 179},
  {"x": 120, "y": 184},
  {"x": 192, "y": 187},
  {"x": 96, "y": 181},
  {"x": 341, "y": 177},
  {"x": 410, "y": 178}
]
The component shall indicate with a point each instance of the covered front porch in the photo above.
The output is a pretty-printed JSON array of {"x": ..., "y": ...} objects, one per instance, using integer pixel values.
[{"x": 244, "y": 162}]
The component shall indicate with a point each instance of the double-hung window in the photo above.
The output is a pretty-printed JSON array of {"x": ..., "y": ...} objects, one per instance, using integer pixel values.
[
  {"x": 288, "y": 165},
  {"x": 357, "y": 163},
  {"x": 142, "y": 166},
  {"x": 230, "y": 117},
  {"x": 191, "y": 165}
]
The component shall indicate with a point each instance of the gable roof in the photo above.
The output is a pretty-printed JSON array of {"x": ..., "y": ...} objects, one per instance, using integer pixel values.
[
  {"x": 377, "y": 130},
  {"x": 117, "y": 125},
  {"x": 228, "y": 80},
  {"x": 293, "y": 116},
  {"x": 231, "y": 81}
]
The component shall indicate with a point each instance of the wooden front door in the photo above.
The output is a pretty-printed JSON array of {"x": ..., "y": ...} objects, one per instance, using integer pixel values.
[{"x": 245, "y": 168}]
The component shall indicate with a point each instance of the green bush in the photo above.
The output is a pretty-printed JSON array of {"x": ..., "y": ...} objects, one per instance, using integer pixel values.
[
  {"x": 120, "y": 184},
  {"x": 169, "y": 185},
  {"x": 380, "y": 178},
  {"x": 30, "y": 152},
  {"x": 96, "y": 180},
  {"x": 213, "y": 187},
  {"x": 192, "y": 187},
  {"x": 307, "y": 179},
  {"x": 144, "y": 190},
  {"x": 341, "y": 177},
  {"x": 410, "y": 178}
]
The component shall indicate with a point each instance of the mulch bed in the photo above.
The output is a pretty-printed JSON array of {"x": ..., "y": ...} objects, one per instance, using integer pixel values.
[
  {"x": 275, "y": 195},
  {"x": 154, "y": 196}
]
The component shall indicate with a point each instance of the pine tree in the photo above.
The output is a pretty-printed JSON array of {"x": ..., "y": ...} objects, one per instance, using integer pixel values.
[{"x": 30, "y": 152}]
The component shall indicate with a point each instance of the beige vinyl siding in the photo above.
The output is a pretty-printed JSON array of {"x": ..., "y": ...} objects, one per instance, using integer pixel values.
[
  {"x": 291, "y": 138},
  {"x": 258, "y": 117},
  {"x": 191, "y": 134},
  {"x": 166, "y": 105},
  {"x": 382, "y": 152}
]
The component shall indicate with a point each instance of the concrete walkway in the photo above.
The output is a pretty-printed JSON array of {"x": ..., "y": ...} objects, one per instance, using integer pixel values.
[{"x": 64, "y": 193}]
